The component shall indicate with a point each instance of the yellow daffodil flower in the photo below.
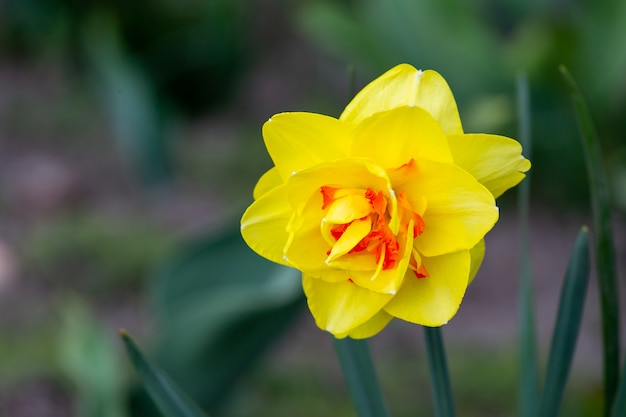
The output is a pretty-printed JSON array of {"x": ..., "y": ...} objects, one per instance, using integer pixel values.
[{"x": 384, "y": 210}]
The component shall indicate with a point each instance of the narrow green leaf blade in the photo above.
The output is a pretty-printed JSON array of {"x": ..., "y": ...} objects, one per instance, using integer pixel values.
[
  {"x": 567, "y": 326},
  {"x": 528, "y": 390},
  {"x": 438, "y": 367},
  {"x": 360, "y": 375},
  {"x": 603, "y": 239},
  {"x": 619, "y": 405},
  {"x": 164, "y": 392}
]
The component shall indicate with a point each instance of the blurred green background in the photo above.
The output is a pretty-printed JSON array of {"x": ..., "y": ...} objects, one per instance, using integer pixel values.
[{"x": 130, "y": 141}]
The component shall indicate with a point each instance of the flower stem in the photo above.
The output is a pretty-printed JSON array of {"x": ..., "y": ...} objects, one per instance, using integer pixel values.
[
  {"x": 440, "y": 381},
  {"x": 528, "y": 388},
  {"x": 360, "y": 375}
]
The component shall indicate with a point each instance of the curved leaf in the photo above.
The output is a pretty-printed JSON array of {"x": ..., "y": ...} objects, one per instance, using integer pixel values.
[
  {"x": 219, "y": 306},
  {"x": 603, "y": 239},
  {"x": 567, "y": 326}
]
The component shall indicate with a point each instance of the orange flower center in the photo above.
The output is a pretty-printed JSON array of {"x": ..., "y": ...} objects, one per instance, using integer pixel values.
[{"x": 357, "y": 222}]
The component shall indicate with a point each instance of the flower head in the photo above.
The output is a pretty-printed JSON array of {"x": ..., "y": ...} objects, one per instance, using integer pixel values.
[{"x": 384, "y": 210}]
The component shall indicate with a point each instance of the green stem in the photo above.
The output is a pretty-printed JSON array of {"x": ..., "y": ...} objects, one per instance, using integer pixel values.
[
  {"x": 440, "y": 381},
  {"x": 360, "y": 375},
  {"x": 528, "y": 391}
]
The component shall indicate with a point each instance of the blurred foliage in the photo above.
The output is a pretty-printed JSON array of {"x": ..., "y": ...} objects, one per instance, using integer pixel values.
[
  {"x": 95, "y": 254},
  {"x": 71, "y": 354},
  {"x": 219, "y": 307},
  {"x": 479, "y": 47},
  {"x": 27, "y": 353},
  {"x": 152, "y": 62},
  {"x": 193, "y": 52},
  {"x": 88, "y": 359},
  {"x": 141, "y": 120}
]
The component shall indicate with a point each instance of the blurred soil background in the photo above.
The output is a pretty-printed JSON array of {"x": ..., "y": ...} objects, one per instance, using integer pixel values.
[{"x": 130, "y": 141}]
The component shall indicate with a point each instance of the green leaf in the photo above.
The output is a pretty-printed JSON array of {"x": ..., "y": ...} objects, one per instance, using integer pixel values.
[
  {"x": 603, "y": 239},
  {"x": 528, "y": 345},
  {"x": 219, "y": 307},
  {"x": 439, "y": 378},
  {"x": 619, "y": 405},
  {"x": 141, "y": 122},
  {"x": 360, "y": 375},
  {"x": 87, "y": 357},
  {"x": 567, "y": 326},
  {"x": 168, "y": 397}
]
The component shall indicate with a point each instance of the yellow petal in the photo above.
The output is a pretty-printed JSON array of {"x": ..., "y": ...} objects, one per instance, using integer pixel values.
[
  {"x": 341, "y": 307},
  {"x": 296, "y": 141},
  {"x": 348, "y": 208},
  {"x": 394, "y": 137},
  {"x": 369, "y": 328},
  {"x": 331, "y": 275},
  {"x": 434, "y": 300},
  {"x": 307, "y": 249},
  {"x": 269, "y": 180},
  {"x": 350, "y": 238},
  {"x": 356, "y": 263},
  {"x": 477, "y": 254},
  {"x": 459, "y": 211},
  {"x": 264, "y": 224},
  {"x": 403, "y": 85},
  {"x": 495, "y": 161}
]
